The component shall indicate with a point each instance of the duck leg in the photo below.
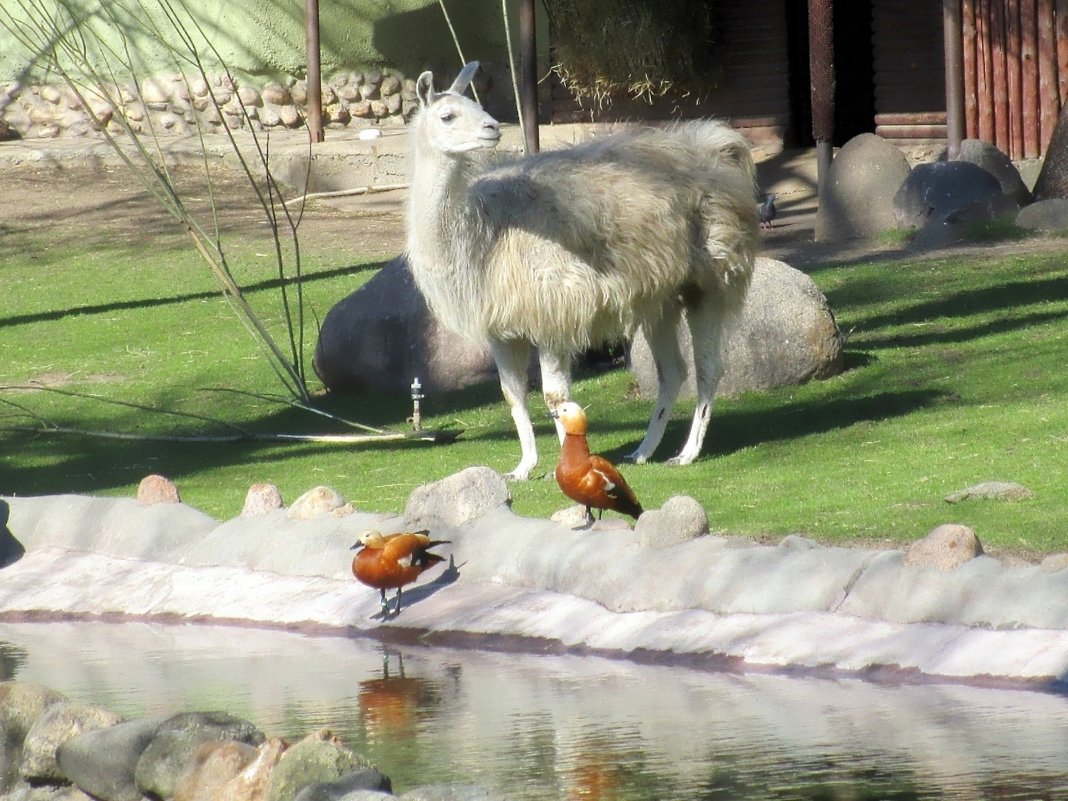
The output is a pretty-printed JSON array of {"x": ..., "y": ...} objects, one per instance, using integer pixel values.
[
  {"x": 396, "y": 606},
  {"x": 589, "y": 517},
  {"x": 385, "y": 603}
]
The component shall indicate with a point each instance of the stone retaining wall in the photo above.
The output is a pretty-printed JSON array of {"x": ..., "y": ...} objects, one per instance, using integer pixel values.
[{"x": 168, "y": 104}]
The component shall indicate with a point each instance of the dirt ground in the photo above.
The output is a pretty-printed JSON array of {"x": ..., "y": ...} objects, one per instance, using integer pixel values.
[{"x": 104, "y": 203}]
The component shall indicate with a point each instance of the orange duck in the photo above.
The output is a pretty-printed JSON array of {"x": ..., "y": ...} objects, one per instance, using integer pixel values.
[
  {"x": 587, "y": 478},
  {"x": 389, "y": 561}
]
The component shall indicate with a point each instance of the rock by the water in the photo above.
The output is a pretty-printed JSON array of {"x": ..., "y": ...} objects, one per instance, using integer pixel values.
[
  {"x": 992, "y": 491},
  {"x": 946, "y": 547},
  {"x": 382, "y": 336},
  {"x": 319, "y": 757},
  {"x": 457, "y": 499},
  {"x": 347, "y": 787},
  {"x": 102, "y": 762},
  {"x": 859, "y": 191},
  {"x": 262, "y": 499},
  {"x": 157, "y": 489},
  {"x": 680, "y": 519},
  {"x": 316, "y": 501},
  {"x": 57, "y": 724},
  {"x": 231, "y": 770},
  {"x": 785, "y": 335},
  {"x": 172, "y": 750}
]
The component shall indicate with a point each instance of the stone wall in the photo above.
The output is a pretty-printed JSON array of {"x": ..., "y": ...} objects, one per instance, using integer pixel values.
[{"x": 171, "y": 105}]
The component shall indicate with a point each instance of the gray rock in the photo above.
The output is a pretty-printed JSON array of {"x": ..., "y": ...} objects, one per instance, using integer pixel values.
[
  {"x": 171, "y": 752},
  {"x": 450, "y": 792},
  {"x": 262, "y": 499},
  {"x": 457, "y": 499},
  {"x": 21, "y": 703},
  {"x": 985, "y": 155},
  {"x": 57, "y": 724},
  {"x": 365, "y": 780},
  {"x": 946, "y": 547},
  {"x": 859, "y": 189},
  {"x": 157, "y": 489},
  {"x": 680, "y": 519},
  {"x": 382, "y": 336},
  {"x": 315, "y": 502},
  {"x": 1044, "y": 215},
  {"x": 991, "y": 491},
  {"x": 318, "y": 758},
  {"x": 103, "y": 762},
  {"x": 786, "y": 335},
  {"x": 954, "y": 191}
]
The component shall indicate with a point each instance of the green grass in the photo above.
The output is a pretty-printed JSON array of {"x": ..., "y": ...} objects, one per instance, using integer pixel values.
[{"x": 957, "y": 375}]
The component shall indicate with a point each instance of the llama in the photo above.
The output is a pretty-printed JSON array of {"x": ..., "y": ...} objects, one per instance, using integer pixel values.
[{"x": 571, "y": 248}]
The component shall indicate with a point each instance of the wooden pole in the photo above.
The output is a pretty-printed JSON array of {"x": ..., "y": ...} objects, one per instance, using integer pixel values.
[
  {"x": 954, "y": 55},
  {"x": 822, "y": 85},
  {"x": 315, "y": 79},
  {"x": 528, "y": 73}
]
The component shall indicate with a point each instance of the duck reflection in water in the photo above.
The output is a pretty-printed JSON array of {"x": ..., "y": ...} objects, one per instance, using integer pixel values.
[{"x": 390, "y": 706}]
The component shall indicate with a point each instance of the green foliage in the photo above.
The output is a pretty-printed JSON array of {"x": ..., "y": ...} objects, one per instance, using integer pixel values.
[{"x": 956, "y": 376}]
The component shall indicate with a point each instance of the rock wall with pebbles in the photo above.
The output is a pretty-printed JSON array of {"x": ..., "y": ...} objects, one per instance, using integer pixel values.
[{"x": 171, "y": 105}]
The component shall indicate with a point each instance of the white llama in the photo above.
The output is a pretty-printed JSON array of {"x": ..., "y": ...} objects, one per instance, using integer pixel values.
[{"x": 577, "y": 247}]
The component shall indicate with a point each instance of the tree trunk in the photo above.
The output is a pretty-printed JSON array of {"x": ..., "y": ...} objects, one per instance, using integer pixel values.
[{"x": 1053, "y": 178}]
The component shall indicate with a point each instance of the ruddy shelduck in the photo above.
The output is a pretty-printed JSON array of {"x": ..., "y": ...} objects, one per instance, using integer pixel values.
[
  {"x": 591, "y": 480},
  {"x": 390, "y": 561}
]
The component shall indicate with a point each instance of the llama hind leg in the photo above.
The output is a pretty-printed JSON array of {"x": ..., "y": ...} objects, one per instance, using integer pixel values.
[
  {"x": 663, "y": 341},
  {"x": 512, "y": 358},
  {"x": 555, "y": 382},
  {"x": 706, "y": 330}
]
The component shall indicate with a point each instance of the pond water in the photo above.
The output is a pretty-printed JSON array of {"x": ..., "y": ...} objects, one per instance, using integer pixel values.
[{"x": 549, "y": 727}]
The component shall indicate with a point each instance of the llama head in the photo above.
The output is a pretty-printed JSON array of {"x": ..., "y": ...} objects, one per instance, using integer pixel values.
[{"x": 451, "y": 122}]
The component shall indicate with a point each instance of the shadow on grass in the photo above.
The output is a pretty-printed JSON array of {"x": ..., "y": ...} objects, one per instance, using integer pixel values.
[{"x": 148, "y": 303}]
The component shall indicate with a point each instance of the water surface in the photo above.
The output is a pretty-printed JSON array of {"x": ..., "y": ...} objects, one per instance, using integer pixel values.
[{"x": 546, "y": 727}]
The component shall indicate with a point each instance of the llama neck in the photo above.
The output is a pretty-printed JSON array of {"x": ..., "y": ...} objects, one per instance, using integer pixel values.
[{"x": 443, "y": 232}]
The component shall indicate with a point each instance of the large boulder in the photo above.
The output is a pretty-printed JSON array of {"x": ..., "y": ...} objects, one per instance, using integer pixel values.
[
  {"x": 858, "y": 192},
  {"x": 985, "y": 155},
  {"x": 1044, "y": 215},
  {"x": 56, "y": 725},
  {"x": 102, "y": 762},
  {"x": 786, "y": 335},
  {"x": 950, "y": 192},
  {"x": 382, "y": 336}
]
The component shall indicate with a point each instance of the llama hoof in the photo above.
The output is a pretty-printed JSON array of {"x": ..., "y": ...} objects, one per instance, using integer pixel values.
[
  {"x": 679, "y": 460},
  {"x": 519, "y": 474}
]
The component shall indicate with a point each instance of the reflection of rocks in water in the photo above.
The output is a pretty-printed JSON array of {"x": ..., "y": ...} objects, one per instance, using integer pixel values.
[
  {"x": 11, "y": 550},
  {"x": 11, "y": 659}
]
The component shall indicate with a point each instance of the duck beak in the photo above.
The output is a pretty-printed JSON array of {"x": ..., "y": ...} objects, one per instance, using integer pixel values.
[{"x": 355, "y": 545}]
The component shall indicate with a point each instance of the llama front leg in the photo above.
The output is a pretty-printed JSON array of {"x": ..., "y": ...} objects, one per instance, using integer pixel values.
[
  {"x": 663, "y": 338},
  {"x": 706, "y": 330},
  {"x": 555, "y": 383},
  {"x": 512, "y": 358}
]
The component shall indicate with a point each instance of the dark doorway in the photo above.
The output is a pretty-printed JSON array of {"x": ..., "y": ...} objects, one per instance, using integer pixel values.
[{"x": 854, "y": 103}]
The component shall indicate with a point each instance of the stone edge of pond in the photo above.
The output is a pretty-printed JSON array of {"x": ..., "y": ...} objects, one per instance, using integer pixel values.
[
  {"x": 55, "y": 747},
  {"x": 537, "y": 585}
]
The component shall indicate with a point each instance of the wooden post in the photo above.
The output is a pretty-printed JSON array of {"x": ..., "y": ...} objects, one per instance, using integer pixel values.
[
  {"x": 315, "y": 79},
  {"x": 528, "y": 74},
  {"x": 821, "y": 79},
  {"x": 954, "y": 54}
]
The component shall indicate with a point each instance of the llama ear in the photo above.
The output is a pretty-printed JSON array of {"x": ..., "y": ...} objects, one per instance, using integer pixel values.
[
  {"x": 424, "y": 88},
  {"x": 463, "y": 80}
]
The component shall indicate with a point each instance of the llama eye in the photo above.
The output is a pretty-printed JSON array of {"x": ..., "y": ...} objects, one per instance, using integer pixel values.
[{"x": 447, "y": 116}]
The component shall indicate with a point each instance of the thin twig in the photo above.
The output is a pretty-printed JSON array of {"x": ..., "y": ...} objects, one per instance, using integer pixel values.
[{"x": 359, "y": 190}]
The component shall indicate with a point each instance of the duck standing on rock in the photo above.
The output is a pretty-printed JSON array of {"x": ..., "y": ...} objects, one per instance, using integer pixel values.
[
  {"x": 390, "y": 561},
  {"x": 587, "y": 478}
]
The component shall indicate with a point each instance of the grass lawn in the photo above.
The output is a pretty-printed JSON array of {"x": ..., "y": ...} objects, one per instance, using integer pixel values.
[{"x": 957, "y": 375}]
